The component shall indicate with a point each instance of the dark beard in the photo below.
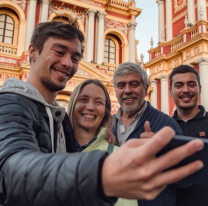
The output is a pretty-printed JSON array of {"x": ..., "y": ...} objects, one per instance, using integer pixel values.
[
  {"x": 50, "y": 85},
  {"x": 187, "y": 108}
]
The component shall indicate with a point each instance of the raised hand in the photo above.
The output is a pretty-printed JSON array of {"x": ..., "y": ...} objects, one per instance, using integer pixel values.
[{"x": 147, "y": 131}]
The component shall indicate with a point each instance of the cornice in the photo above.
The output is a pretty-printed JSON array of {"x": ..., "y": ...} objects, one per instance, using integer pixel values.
[
  {"x": 192, "y": 42},
  {"x": 126, "y": 7}
]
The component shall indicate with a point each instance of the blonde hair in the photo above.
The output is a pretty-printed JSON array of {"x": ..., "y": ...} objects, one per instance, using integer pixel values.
[{"x": 107, "y": 119}]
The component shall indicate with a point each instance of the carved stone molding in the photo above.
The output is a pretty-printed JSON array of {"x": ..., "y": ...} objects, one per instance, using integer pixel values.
[
  {"x": 82, "y": 72},
  {"x": 196, "y": 50},
  {"x": 115, "y": 24},
  {"x": 101, "y": 15},
  {"x": 73, "y": 83},
  {"x": 91, "y": 12},
  {"x": 4, "y": 76},
  {"x": 45, "y": 1},
  {"x": 202, "y": 61},
  {"x": 8, "y": 60},
  {"x": 60, "y": 10},
  {"x": 91, "y": 2},
  {"x": 188, "y": 54},
  {"x": 132, "y": 25},
  {"x": 179, "y": 4},
  {"x": 176, "y": 62},
  {"x": 22, "y": 3},
  {"x": 153, "y": 82}
]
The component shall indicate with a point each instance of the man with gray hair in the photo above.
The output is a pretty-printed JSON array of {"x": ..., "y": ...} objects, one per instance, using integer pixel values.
[{"x": 135, "y": 116}]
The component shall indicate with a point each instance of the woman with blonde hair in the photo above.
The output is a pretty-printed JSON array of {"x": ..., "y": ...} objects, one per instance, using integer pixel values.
[{"x": 90, "y": 116}]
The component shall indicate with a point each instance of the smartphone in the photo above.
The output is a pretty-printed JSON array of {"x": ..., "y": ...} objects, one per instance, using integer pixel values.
[{"x": 200, "y": 177}]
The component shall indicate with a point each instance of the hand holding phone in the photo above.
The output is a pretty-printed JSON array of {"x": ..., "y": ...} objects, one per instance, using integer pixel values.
[{"x": 200, "y": 177}]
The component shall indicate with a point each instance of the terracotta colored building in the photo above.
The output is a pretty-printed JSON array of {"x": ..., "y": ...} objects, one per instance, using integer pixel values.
[
  {"x": 108, "y": 25},
  {"x": 183, "y": 39}
]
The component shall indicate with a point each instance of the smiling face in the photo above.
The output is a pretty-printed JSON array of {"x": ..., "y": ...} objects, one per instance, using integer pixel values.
[
  {"x": 185, "y": 91},
  {"x": 55, "y": 65},
  {"x": 130, "y": 92},
  {"x": 90, "y": 108}
]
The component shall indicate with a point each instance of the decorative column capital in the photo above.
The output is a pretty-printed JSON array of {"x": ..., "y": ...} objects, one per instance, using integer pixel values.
[
  {"x": 45, "y": 1},
  {"x": 163, "y": 78},
  {"x": 132, "y": 25},
  {"x": 91, "y": 12},
  {"x": 160, "y": 2},
  {"x": 153, "y": 82},
  {"x": 101, "y": 15},
  {"x": 202, "y": 60}
]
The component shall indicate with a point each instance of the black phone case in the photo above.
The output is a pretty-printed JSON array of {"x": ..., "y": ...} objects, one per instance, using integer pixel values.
[{"x": 200, "y": 177}]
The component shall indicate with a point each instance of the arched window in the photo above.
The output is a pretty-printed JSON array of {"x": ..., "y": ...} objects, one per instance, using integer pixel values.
[
  {"x": 110, "y": 52},
  {"x": 6, "y": 29}
]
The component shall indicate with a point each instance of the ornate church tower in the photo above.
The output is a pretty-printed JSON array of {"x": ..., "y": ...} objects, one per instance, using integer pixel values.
[{"x": 183, "y": 39}]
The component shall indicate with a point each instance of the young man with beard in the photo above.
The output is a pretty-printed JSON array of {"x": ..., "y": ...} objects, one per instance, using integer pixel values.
[
  {"x": 131, "y": 85},
  {"x": 185, "y": 89},
  {"x": 36, "y": 139}
]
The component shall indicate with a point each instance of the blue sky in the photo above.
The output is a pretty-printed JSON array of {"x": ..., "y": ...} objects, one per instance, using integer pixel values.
[{"x": 147, "y": 26}]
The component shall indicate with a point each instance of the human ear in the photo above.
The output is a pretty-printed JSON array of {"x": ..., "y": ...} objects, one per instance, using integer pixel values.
[
  {"x": 170, "y": 92},
  {"x": 32, "y": 52}
]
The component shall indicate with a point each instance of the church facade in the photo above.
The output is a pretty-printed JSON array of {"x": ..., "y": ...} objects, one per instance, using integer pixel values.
[{"x": 108, "y": 26}]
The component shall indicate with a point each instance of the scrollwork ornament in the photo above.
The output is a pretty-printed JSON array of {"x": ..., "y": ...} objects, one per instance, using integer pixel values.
[
  {"x": 60, "y": 10},
  {"x": 101, "y": 15},
  {"x": 179, "y": 4},
  {"x": 132, "y": 25},
  {"x": 91, "y": 12},
  {"x": 109, "y": 23},
  {"x": 22, "y": 3}
]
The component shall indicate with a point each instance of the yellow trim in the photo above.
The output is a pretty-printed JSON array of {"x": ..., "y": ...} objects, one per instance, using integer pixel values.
[
  {"x": 16, "y": 24},
  {"x": 117, "y": 47},
  {"x": 54, "y": 15},
  {"x": 20, "y": 24},
  {"x": 13, "y": 6},
  {"x": 124, "y": 41}
]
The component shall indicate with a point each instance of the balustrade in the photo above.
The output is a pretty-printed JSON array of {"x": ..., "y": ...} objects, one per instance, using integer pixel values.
[
  {"x": 111, "y": 67},
  {"x": 194, "y": 32},
  {"x": 176, "y": 42},
  {"x": 8, "y": 49},
  {"x": 119, "y": 4}
]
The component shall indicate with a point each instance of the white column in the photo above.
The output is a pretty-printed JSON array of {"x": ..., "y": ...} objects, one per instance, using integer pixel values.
[
  {"x": 203, "y": 74},
  {"x": 191, "y": 12},
  {"x": 169, "y": 33},
  {"x": 90, "y": 34},
  {"x": 21, "y": 37},
  {"x": 30, "y": 22},
  {"x": 44, "y": 11},
  {"x": 153, "y": 94},
  {"x": 164, "y": 95},
  {"x": 161, "y": 20},
  {"x": 201, "y": 10},
  {"x": 100, "y": 39},
  {"x": 132, "y": 47}
]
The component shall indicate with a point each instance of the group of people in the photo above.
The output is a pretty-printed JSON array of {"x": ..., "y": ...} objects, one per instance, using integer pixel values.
[{"x": 86, "y": 156}]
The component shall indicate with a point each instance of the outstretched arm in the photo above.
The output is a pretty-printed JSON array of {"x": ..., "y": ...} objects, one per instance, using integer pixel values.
[{"x": 134, "y": 171}]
